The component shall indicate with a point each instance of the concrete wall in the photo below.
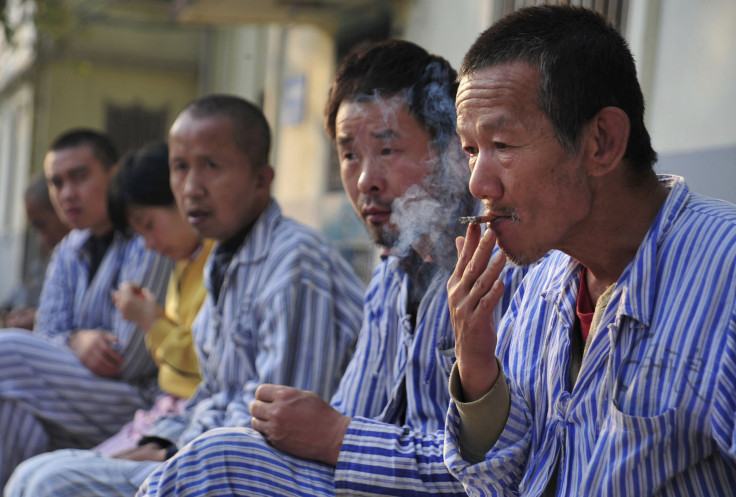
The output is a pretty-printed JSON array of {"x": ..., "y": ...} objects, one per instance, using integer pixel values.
[
  {"x": 16, "y": 118},
  {"x": 233, "y": 61},
  {"x": 447, "y": 28},
  {"x": 685, "y": 52},
  {"x": 302, "y": 150},
  {"x": 74, "y": 93},
  {"x": 137, "y": 59}
]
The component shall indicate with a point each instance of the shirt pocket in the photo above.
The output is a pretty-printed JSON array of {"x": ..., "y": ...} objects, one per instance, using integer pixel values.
[
  {"x": 642, "y": 452},
  {"x": 445, "y": 356}
]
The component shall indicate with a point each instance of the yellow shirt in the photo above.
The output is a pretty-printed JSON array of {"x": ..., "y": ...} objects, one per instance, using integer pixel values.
[{"x": 170, "y": 339}]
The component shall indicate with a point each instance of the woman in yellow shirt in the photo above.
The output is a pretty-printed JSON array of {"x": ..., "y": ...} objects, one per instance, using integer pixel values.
[{"x": 140, "y": 198}]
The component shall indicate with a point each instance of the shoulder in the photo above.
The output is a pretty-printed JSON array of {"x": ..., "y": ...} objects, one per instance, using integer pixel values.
[
  {"x": 68, "y": 248},
  {"x": 704, "y": 229},
  {"x": 686, "y": 215},
  {"x": 294, "y": 241},
  {"x": 719, "y": 213}
]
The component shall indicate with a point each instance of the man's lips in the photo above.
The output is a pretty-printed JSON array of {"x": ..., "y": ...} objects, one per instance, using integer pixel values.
[
  {"x": 376, "y": 215},
  {"x": 500, "y": 218},
  {"x": 196, "y": 216},
  {"x": 73, "y": 212}
]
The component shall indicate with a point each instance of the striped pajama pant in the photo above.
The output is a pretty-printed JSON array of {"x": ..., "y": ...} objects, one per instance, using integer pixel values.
[
  {"x": 220, "y": 463},
  {"x": 49, "y": 399}
]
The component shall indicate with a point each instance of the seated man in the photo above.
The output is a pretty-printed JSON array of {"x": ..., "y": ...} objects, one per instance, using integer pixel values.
[
  {"x": 616, "y": 359},
  {"x": 19, "y": 311},
  {"x": 85, "y": 370},
  {"x": 283, "y": 306},
  {"x": 391, "y": 114}
]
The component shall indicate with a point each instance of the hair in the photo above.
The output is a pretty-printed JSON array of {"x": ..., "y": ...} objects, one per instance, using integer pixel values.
[
  {"x": 38, "y": 190},
  {"x": 100, "y": 144},
  {"x": 251, "y": 132},
  {"x": 584, "y": 66},
  {"x": 141, "y": 180},
  {"x": 396, "y": 67}
]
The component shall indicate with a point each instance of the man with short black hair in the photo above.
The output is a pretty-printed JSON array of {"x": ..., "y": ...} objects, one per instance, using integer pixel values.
[
  {"x": 612, "y": 373},
  {"x": 85, "y": 370}
]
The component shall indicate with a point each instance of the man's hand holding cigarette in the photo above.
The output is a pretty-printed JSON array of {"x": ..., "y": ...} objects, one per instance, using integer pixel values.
[{"x": 473, "y": 292}]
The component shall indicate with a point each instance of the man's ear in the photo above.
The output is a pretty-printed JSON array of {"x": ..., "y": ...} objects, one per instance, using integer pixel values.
[
  {"x": 607, "y": 137},
  {"x": 264, "y": 177}
]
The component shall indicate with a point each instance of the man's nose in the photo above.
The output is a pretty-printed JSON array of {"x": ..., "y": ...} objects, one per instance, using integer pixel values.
[
  {"x": 66, "y": 191},
  {"x": 193, "y": 184},
  {"x": 484, "y": 180},
  {"x": 372, "y": 179}
]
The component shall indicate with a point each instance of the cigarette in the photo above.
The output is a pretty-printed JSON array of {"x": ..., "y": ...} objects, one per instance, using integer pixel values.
[{"x": 477, "y": 219}]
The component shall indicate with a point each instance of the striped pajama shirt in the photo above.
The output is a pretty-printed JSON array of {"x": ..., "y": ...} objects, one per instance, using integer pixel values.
[
  {"x": 653, "y": 410},
  {"x": 395, "y": 389},
  {"x": 289, "y": 312},
  {"x": 48, "y": 398}
]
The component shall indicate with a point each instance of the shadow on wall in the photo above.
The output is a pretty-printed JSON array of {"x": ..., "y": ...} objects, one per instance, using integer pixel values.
[{"x": 710, "y": 172}]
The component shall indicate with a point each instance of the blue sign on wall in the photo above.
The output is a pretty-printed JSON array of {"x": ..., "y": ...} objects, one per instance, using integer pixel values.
[{"x": 292, "y": 102}]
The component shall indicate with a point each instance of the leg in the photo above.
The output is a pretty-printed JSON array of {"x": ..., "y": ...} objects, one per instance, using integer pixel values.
[
  {"x": 22, "y": 435},
  {"x": 47, "y": 382},
  {"x": 238, "y": 461},
  {"x": 77, "y": 473}
]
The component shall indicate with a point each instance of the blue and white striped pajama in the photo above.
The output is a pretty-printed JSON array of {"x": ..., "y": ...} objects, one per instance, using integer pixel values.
[
  {"x": 395, "y": 389},
  {"x": 48, "y": 398},
  {"x": 289, "y": 312},
  {"x": 653, "y": 410}
]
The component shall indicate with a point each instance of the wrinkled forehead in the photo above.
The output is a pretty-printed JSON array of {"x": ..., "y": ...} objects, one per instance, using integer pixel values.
[{"x": 377, "y": 116}]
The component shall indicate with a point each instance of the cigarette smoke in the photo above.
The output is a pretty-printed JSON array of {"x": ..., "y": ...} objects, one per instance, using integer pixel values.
[{"x": 429, "y": 211}]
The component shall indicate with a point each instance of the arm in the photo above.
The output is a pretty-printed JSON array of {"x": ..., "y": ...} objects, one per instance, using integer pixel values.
[
  {"x": 137, "y": 305},
  {"x": 170, "y": 427},
  {"x": 55, "y": 315},
  {"x": 20, "y": 318},
  {"x": 724, "y": 425},
  {"x": 299, "y": 423},
  {"x": 291, "y": 325},
  {"x": 149, "y": 270},
  {"x": 487, "y": 438},
  {"x": 168, "y": 341},
  {"x": 473, "y": 292}
]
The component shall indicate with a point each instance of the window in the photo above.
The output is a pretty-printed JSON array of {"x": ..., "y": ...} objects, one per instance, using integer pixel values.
[{"x": 133, "y": 126}]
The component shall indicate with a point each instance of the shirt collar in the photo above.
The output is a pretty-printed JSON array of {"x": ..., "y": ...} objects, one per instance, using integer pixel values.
[{"x": 635, "y": 289}]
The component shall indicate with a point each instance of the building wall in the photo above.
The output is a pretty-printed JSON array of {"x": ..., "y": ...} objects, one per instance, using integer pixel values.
[
  {"x": 301, "y": 155},
  {"x": 233, "y": 61},
  {"x": 447, "y": 28},
  {"x": 16, "y": 115},
  {"x": 74, "y": 93},
  {"x": 685, "y": 52},
  {"x": 134, "y": 58}
]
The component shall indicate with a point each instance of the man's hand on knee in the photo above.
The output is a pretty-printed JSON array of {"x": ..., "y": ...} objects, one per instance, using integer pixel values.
[
  {"x": 95, "y": 349},
  {"x": 146, "y": 452},
  {"x": 299, "y": 423}
]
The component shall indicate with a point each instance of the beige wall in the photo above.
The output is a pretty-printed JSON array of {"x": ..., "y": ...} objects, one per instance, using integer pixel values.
[
  {"x": 233, "y": 61},
  {"x": 684, "y": 53},
  {"x": 302, "y": 149},
  {"x": 74, "y": 93},
  {"x": 16, "y": 116}
]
